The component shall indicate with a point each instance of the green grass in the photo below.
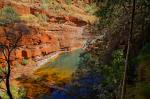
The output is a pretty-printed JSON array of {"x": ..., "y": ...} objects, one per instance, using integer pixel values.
[{"x": 24, "y": 61}]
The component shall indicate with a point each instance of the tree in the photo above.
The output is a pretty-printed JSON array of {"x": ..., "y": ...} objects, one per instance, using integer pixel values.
[
  {"x": 12, "y": 31},
  {"x": 8, "y": 16},
  {"x": 128, "y": 52},
  {"x": 117, "y": 20},
  {"x": 10, "y": 40}
]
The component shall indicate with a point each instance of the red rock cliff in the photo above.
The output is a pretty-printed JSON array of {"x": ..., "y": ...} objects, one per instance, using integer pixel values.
[{"x": 54, "y": 37}]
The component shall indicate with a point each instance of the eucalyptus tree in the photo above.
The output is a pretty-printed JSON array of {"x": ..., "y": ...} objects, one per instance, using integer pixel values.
[{"x": 12, "y": 31}]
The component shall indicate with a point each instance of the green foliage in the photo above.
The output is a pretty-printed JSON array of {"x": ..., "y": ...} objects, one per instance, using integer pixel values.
[
  {"x": 144, "y": 53},
  {"x": 113, "y": 75},
  {"x": 91, "y": 9},
  {"x": 42, "y": 18},
  {"x": 140, "y": 91},
  {"x": 144, "y": 64},
  {"x": 143, "y": 91},
  {"x": 8, "y": 15},
  {"x": 114, "y": 72},
  {"x": 3, "y": 68},
  {"x": 114, "y": 24},
  {"x": 68, "y": 2},
  {"x": 29, "y": 18},
  {"x": 108, "y": 7},
  {"x": 24, "y": 61},
  {"x": 18, "y": 93},
  {"x": 22, "y": 93},
  {"x": 44, "y": 1},
  {"x": 44, "y": 4}
]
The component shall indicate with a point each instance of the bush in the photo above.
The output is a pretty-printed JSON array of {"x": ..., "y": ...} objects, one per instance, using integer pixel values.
[
  {"x": 24, "y": 61},
  {"x": 44, "y": 1},
  {"x": 68, "y": 2},
  {"x": 144, "y": 53},
  {"x": 42, "y": 18},
  {"x": 18, "y": 93},
  {"x": 91, "y": 9},
  {"x": 30, "y": 18},
  {"x": 44, "y": 4},
  {"x": 8, "y": 15}
]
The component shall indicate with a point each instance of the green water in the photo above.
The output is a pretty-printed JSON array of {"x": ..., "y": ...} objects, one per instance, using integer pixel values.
[{"x": 66, "y": 61}]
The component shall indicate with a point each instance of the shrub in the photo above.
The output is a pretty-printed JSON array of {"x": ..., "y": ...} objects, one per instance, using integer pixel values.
[
  {"x": 44, "y": 4},
  {"x": 30, "y": 18},
  {"x": 24, "y": 61},
  {"x": 18, "y": 93},
  {"x": 8, "y": 15},
  {"x": 144, "y": 53},
  {"x": 68, "y": 2},
  {"x": 142, "y": 91},
  {"x": 42, "y": 18},
  {"x": 91, "y": 9}
]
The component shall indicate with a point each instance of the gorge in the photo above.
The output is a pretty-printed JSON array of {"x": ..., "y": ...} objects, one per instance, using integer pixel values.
[
  {"x": 50, "y": 34},
  {"x": 74, "y": 49}
]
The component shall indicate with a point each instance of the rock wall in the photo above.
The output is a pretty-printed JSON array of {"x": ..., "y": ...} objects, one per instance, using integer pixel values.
[
  {"x": 86, "y": 1},
  {"x": 40, "y": 43},
  {"x": 55, "y": 37}
]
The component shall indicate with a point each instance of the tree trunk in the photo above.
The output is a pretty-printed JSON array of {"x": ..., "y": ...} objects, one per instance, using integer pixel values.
[
  {"x": 7, "y": 81},
  {"x": 127, "y": 54}
]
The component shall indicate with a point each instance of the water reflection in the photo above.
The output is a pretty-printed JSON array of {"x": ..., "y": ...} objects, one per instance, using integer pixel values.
[{"x": 68, "y": 60}]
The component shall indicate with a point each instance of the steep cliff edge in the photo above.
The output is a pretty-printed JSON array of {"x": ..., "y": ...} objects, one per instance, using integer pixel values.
[{"x": 54, "y": 26}]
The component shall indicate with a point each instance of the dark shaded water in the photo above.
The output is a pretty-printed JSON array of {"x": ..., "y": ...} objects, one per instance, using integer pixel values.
[
  {"x": 85, "y": 91},
  {"x": 71, "y": 61}
]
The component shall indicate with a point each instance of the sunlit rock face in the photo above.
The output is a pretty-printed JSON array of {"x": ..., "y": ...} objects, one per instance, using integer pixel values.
[
  {"x": 46, "y": 42},
  {"x": 63, "y": 33},
  {"x": 43, "y": 43},
  {"x": 20, "y": 8},
  {"x": 86, "y": 1}
]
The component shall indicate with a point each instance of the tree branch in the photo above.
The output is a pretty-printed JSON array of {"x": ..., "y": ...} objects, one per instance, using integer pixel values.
[
  {"x": 16, "y": 42},
  {"x": 123, "y": 91}
]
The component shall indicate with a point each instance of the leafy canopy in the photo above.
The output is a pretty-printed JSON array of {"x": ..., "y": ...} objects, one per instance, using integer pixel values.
[{"x": 8, "y": 15}]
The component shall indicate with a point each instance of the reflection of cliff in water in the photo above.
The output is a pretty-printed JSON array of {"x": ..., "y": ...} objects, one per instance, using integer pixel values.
[
  {"x": 59, "y": 72},
  {"x": 68, "y": 60},
  {"x": 82, "y": 88}
]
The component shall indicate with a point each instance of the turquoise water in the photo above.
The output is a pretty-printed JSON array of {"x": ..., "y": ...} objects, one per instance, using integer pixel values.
[{"x": 69, "y": 60}]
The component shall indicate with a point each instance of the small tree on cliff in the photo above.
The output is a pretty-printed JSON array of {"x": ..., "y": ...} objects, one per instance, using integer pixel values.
[{"x": 11, "y": 33}]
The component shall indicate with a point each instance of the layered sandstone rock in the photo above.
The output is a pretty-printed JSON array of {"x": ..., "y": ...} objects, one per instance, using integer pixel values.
[
  {"x": 62, "y": 33},
  {"x": 21, "y": 9}
]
